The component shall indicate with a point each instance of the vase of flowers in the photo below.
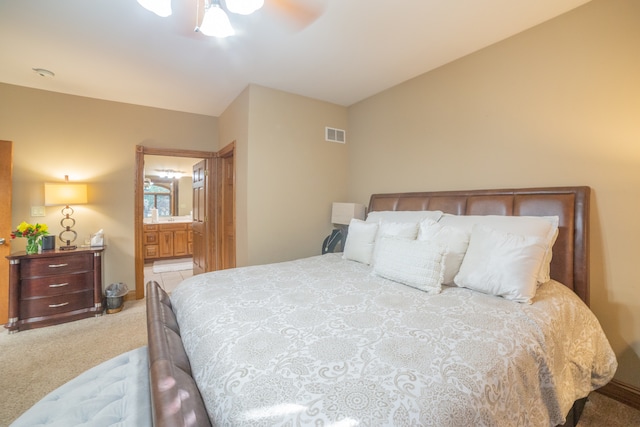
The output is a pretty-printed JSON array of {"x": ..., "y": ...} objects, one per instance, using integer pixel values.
[{"x": 33, "y": 234}]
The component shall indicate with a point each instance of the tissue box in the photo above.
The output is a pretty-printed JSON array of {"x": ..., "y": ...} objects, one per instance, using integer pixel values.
[{"x": 97, "y": 240}]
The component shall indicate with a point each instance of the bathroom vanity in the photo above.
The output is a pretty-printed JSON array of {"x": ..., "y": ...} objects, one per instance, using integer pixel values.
[{"x": 168, "y": 239}]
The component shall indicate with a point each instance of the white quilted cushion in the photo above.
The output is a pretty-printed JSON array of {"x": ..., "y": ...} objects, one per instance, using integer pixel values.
[
  {"x": 114, "y": 393},
  {"x": 414, "y": 263},
  {"x": 403, "y": 230}
]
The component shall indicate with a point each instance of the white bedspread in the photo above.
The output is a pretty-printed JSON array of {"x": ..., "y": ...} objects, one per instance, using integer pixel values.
[{"x": 322, "y": 342}]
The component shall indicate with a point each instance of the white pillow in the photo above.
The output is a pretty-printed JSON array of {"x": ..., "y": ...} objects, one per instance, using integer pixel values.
[
  {"x": 545, "y": 227},
  {"x": 361, "y": 239},
  {"x": 419, "y": 264},
  {"x": 403, "y": 230},
  {"x": 402, "y": 216},
  {"x": 455, "y": 241},
  {"x": 502, "y": 264}
]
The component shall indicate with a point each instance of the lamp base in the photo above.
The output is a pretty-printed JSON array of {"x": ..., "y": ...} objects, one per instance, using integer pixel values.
[{"x": 68, "y": 246}]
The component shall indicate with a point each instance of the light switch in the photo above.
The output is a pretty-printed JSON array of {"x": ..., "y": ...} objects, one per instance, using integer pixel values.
[{"x": 37, "y": 210}]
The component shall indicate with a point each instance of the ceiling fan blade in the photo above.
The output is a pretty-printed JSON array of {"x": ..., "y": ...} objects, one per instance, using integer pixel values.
[{"x": 298, "y": 13}]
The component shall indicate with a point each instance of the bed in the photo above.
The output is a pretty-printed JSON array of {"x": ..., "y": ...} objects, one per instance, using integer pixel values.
[{"x": 331, "y": 340}]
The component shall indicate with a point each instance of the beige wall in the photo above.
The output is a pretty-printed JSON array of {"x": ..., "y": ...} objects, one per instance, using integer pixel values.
[
  {"x": 92, "y": 141},
  {"x": 286, "y": 170},
  {"x": 287, "y": 175},
  {"x": 234, "y": 127},
  {"x": 556, "y": 105}
]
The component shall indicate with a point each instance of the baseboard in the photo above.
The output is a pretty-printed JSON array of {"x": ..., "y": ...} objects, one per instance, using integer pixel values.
[{"x": 624, "y": 393}]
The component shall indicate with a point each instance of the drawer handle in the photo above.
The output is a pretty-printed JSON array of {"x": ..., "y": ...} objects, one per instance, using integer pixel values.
[
  {"x": 58, "y": 285},
  {"x": 58, "y": 305},
  {"x": 57, "y": 265}
]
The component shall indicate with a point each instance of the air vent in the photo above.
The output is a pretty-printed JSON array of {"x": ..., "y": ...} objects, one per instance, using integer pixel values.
[{"x": 334, "y": 135}]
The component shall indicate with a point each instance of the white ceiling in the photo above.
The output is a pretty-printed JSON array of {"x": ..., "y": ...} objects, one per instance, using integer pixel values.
[{"x": 116, "y": 50}]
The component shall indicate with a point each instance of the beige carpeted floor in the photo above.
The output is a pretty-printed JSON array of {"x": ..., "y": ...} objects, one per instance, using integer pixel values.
[{"x": 36, "y": 362}]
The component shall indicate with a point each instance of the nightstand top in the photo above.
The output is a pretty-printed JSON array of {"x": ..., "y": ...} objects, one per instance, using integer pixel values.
[{"x": 57, "y": 252}]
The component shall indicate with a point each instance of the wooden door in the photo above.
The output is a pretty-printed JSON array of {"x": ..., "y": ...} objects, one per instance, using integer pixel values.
[
  {"x": 228, "y": 222},
  {"x": 199, "y": 225},
  {"x": 6, "y": 166}
]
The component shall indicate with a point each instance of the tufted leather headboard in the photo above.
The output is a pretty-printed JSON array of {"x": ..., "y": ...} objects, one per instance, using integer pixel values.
[{"x": 570, "y": 264}]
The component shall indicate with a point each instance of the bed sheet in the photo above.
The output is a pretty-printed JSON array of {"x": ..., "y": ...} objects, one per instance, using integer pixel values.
[{"x": 321, "y": 341}]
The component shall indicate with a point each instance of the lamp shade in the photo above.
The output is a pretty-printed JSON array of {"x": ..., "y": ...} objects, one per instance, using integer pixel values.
[
  {"x": 343, "y": 213},
  {"x": 216, "y": 23},
  {"x": 64, "y": 194}
]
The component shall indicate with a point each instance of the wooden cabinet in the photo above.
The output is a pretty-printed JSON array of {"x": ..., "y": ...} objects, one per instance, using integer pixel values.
[
  {"x": 168, "y": 240},
  {"x": 180, "y": 243},
  {"x": 166, "y": 244},
  {"x": 150, "y": 238},
  {"x": 54, "y": 287}
]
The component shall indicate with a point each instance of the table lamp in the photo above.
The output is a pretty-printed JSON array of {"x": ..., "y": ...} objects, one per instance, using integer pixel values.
[{"x": 65, "y": 194}]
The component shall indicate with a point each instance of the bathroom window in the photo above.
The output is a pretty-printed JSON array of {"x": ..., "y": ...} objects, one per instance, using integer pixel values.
[{"x": 159, "y": 195}]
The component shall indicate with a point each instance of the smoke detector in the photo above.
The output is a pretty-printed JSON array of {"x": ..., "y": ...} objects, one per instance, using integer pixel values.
[{"x": 43, "y": 72}]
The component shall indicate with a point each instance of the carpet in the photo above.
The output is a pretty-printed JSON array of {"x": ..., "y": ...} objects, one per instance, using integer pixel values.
[
  {"x": 168, "y": 265},
  {"x": 37, "y": 361}
]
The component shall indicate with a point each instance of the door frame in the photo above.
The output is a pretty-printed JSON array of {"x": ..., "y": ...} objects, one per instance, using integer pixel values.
[
  {"x": 6, "y": 174},
  {"x": 226, "y": 220},
  {"x": 141, "y": 151}
]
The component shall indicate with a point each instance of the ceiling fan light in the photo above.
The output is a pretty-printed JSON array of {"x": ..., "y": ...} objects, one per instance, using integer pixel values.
[
  {"x": 216, "y": 23},
  {"x": 244, "y": 7},
  {"x": 159, "y": 7}
]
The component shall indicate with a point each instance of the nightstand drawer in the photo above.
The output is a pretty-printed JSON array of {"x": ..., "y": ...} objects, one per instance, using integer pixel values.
[
  {"x": 38, "y": 267},
  {"x": 56, "y": 285},
  {"x": 48, "y": 306}
]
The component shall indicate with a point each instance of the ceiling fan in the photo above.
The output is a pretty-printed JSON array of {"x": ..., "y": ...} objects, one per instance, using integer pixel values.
[{"x": 215, "y": 21}]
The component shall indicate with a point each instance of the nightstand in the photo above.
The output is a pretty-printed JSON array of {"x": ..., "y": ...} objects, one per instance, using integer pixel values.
[{"x": 54, "y": 287}]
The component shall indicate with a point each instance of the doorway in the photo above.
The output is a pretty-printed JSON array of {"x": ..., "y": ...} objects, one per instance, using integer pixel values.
[{"x": 214, "y": 211}]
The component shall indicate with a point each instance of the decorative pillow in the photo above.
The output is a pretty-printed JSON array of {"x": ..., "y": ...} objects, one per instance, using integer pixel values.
[
  {"x": 415, "y": 263},
  {"x": 453, "y": 239},
  {"x": 545, "y": 227},
  {"x": 502, "y": 264},
  {"x": 361, "y": 239},
  {"x": 403, "y": 230},
  {"x": 402, "y": 216}
]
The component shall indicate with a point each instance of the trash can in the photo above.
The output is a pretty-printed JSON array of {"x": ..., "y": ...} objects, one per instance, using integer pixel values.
[{"x": 115, "y": 293}]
